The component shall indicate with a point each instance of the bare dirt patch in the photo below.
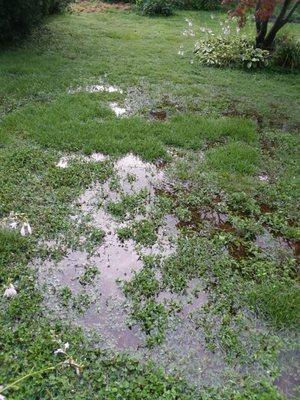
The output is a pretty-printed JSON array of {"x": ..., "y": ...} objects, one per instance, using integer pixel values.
[{"x": 84, "y": 6}]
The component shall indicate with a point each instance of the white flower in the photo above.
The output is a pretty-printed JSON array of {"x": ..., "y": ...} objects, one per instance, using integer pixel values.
[
  {"x": 26, "y": 229},
  {"x": 59, "y": 351},
  {"x": 62, "y": 350},
  {"x": 189, "y": 22},
  {"x": 10, "y": 292},
  {"x": 13, "y": 225}
]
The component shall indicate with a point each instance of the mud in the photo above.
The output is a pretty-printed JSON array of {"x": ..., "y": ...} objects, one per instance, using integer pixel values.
[{"x": 161, "y": 115}]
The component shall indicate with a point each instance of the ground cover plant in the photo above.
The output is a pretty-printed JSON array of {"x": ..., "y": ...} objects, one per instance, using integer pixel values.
[{"x": 205, "y": 210}]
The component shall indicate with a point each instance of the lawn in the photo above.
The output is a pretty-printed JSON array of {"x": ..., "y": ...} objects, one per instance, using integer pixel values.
[{"x": 196, "y": 190}]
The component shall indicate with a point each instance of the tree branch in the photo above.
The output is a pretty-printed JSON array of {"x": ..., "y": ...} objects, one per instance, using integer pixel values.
[
  {"x": 278, "y": 24},
  {"x": 287, "y": 18}
]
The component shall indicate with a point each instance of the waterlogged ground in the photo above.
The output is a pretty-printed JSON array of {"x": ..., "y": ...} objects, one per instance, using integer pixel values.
[
  {"x": 123, "y": 286},
  {"x": 149, "y": 235}
]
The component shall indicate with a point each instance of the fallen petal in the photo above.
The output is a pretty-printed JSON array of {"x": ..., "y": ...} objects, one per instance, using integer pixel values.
[
  {"x": 10, "y": 292},
  {"x": 59, "y": 351}
]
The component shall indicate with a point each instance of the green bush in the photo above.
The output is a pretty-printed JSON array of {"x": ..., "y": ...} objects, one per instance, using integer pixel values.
[
  {"x": 230, "y": 51},
  {"x": 208, "y": 5},
  {"x": 287, "y": 53},
  {"x": 18, "y": 17},
  {"x": 118, "y": 1},
  {"x": 155, "y": 7}
]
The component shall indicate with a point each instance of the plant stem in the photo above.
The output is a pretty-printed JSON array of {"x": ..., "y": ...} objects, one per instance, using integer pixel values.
[{"x": 29, "y": 375}]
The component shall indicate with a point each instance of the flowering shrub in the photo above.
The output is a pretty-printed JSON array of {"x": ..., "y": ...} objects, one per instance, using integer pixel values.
[
  {"x": 230, "y": 50},
  {"x": 155, "y": 7}
]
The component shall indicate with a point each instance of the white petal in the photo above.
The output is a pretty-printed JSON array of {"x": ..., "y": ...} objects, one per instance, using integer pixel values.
[
  {"x": 66, "y": 345},
  {"x": 29, "y": 229},
  {"x": 59, "y": 351},
  {"x": 26, "y": 229},
  {"x": 10, "y": 292}
]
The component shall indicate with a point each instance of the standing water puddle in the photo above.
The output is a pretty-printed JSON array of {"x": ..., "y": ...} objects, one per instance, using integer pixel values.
[
  {"x": 98, "y": 303},
  {"x": 83, "y": 287}
]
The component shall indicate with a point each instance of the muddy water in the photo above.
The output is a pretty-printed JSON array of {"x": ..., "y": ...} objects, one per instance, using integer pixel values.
[
  {"x": 289, "y": 380},
  {"x": 107, "y": 310}
]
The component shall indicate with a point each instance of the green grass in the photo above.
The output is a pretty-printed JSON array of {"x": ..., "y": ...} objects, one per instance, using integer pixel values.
[
  {"x": 244, "y": 122},
  {"x": 78, "y": 122},
  {"x": 77, "y": 49}
]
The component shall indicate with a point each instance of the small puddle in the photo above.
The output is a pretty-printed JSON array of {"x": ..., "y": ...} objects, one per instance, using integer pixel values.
[
  {"x": 96, "y": 89},
  {"x": 263, "y": 178},
  {"x": 288, "y": 382},
  {"x": 64, "y": 161},
  {"x": 145, "y": 175},
  {"x": 276, "y": 246},
  {"x": 119, "y": 111}
]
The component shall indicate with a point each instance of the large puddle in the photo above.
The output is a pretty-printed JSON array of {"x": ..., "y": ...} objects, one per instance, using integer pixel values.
[
  {"x": 85, "y": 286},
  {"x": 65, "y": 282}
]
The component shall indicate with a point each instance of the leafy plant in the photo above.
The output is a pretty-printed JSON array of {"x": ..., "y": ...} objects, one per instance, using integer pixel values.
[
  {"x": 155, "y": 7},
  {"x": 230, "y": 51},
  {"x": 287, "y": 52}
]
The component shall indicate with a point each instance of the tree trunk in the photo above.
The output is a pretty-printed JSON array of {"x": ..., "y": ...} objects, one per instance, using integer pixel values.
[
  {"x": 261, "y": 32},
  {"x": 264, "y": 39}
]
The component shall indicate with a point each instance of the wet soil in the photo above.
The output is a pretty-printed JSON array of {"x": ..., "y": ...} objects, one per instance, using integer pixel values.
[{"x": 161, "y": 115}]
